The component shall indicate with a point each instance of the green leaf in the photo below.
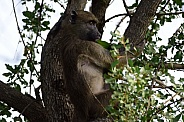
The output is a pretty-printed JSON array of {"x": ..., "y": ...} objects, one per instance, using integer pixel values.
[
  {"x": 4, "y": 110},
  {"x": 178, "y": 2},
  {"x": 181, "y": 36},
  {"x": 46, "y": 23},
  {"x": 104, "y": 44},
  {"x": 110, "y": 80},
  {"x": 113, "y": 34},
  {"x": 3, "y": 120},
  {"x": 9, "y": 67},
  {"x": 26, "y": 21},
  {"x": 176, "y": 119},
  {"x": 179, "y": 55},
  {"x": 7, "y": 74},
  {"x": 113, "y": 64},
  {"x": 28, "y": 14},
  {"x": 30, "y": 65},
  {"x": 26, "y": 71},
  {"x": 168, "y": 20},
  {"x": 160, "y": 120},
  {"x": 17, "y": 87},
  {"x": 132, "y": 6},
  {"x": 17, "y": 119},
  {"x": 130, "y": 62},
  {"x": 37, "y": 5}
]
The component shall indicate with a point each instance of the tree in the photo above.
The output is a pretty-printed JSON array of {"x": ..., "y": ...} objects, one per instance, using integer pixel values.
[{"x": 142, "y": 87}]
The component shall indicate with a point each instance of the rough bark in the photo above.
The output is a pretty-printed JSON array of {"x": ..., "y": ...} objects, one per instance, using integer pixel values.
[
  {"x": 26, "y": 105},
  {"x": 99, "y": 9},
  {"x": 75, "y": 5},
  {"x": 140, "y": 21},
  {"x": 55, "y": 97}
]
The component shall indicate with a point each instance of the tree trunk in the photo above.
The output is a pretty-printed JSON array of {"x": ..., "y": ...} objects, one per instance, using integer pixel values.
[{"x": 55, "y": 97}]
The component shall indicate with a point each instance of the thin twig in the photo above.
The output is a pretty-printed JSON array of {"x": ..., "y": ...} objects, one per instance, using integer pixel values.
[
  {"x": 126, "y": 8},
  {"x": 171, "y": 98},
  {"x": 117, "y": 26},
  {"x": 115, "y": 17},
  {"x": 164, "y": 86},
  {"x": 172, "y": 13},
  {"x": 22, "y": 36},
  {"x": 159, "y": 86},
  {"x": 62, "y": 6},
  {"x": 159, "y": 110},
  {"x": 173, "y": 65},
  {"x": 18, "y": 24},
  {"x": 157, "y": 14},
  {"x": 111, "y": 2},
  {"x": 39, "y": 21}
]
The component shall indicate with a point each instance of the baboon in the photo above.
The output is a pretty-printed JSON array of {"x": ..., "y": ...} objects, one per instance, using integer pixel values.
[{"x": 84, "y": 62}]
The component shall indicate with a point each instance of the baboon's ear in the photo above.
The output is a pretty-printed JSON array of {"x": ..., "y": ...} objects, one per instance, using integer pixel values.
[{"x": 73, "y": 17}]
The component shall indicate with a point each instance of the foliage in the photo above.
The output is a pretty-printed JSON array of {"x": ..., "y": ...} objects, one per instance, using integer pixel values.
[
  {"x": 139, "y": 90},
  {"x": 144, "y": 88}
]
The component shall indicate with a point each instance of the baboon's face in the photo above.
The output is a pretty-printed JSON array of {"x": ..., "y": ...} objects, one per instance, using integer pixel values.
[
  {"x": 89, "y": 31},
  {"x": 83, "y": 25}
]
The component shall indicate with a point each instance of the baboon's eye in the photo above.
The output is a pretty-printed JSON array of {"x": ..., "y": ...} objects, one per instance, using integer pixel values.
[{"x": 92, "y": 22}]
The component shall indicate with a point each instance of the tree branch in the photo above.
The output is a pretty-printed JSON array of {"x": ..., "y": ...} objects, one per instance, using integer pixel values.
[
  {"x": 115, "y": 17},
  {"x": 99, "y": 9},
  {"x": 161, "y": 109},
  {"x": 75, "y": 5},
  {"x": 172, "y": 13},
  {"x": 27, "y": 106},
  {"x": 140, "y": 21},
  {"x": 157, "y": 14},
  {"x": 174, "y": 66},
  {"x": 126, "y": 8}
]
